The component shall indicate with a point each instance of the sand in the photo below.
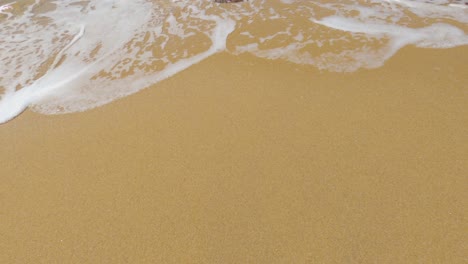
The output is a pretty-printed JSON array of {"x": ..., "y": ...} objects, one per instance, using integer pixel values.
[{"x": 244, "y": 160}]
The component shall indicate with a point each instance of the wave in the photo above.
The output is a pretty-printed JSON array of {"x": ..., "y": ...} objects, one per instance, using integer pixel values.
[{"x": 72, "y": 55}]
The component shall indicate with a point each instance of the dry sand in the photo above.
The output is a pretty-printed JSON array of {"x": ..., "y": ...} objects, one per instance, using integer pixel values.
[{"x": 243, "y": 160}]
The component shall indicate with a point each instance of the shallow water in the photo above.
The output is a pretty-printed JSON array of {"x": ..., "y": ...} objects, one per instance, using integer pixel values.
[{"x": 68, "y": 56}]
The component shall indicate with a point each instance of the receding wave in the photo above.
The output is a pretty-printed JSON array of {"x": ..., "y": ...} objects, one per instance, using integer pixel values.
[{"x": 72, "y": 55}]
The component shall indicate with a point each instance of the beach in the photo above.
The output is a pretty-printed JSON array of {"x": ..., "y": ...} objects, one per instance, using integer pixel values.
[
  {"x": 275, "y": 131},
  {"x": 239, "y": 159}
]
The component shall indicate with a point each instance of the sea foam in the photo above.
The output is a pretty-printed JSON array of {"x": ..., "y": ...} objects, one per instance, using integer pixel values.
[{"x": 72, "y": 55}]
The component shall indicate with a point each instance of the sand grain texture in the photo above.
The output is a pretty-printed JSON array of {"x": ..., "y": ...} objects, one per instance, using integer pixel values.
[{"x": 242, "y": 160}]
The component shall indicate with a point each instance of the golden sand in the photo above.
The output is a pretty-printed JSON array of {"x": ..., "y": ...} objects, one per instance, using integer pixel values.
[{"x": 243, "y": 160}]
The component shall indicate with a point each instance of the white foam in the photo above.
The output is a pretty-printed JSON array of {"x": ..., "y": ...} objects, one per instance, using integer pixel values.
[
  {"x": 386, "y": 23},
  {"x": 436, "y": 9},
  {"x": 69, "y": 56}
]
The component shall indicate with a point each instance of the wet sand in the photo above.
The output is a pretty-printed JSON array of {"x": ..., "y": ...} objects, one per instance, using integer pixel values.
[{"x": 243, "y": 160}]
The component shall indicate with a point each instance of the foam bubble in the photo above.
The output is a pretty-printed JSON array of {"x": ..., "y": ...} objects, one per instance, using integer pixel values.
[
  {"x": 69, "y": 56},
  {"x": 379, "y": 28}
]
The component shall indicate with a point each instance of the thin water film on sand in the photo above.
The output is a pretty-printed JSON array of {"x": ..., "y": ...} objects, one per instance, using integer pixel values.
[{"x": 73, "y": 55}]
